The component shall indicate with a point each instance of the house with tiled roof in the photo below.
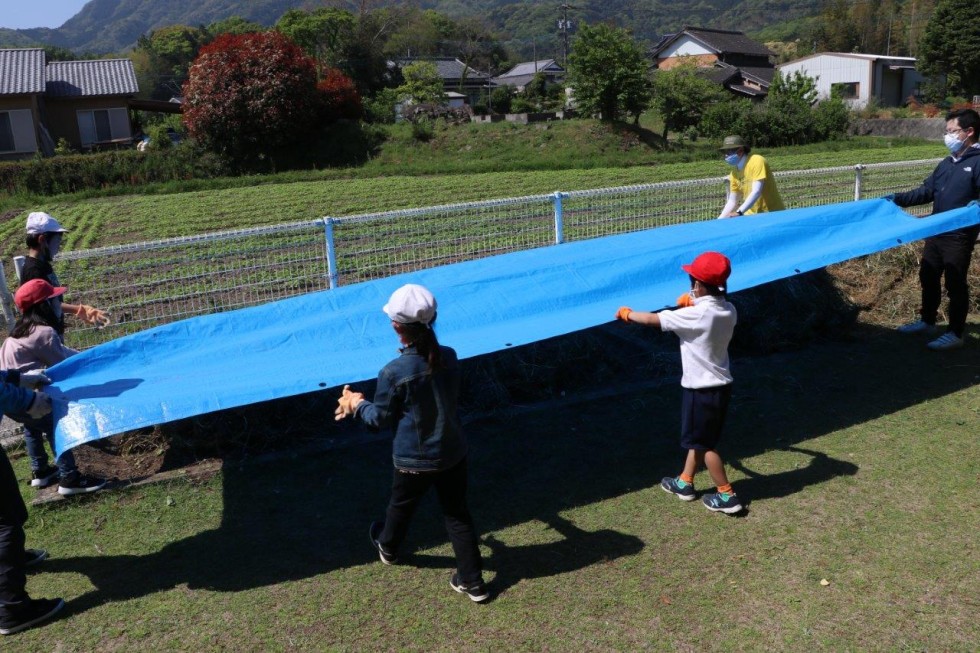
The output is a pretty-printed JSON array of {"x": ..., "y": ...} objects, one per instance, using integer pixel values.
[
  {"x": 456, "y": 76},
  {"x": 743, "y": 66},
  {"x": 523, "y": 73},
  {"x": 83, "y": 102}
]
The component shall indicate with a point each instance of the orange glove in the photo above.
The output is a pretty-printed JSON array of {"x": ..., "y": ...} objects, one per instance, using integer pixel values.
[
  {"x": 624, "y": 313},
  {"x": 347, "y": 404},
  {"x": 685, "y": 300},
  {"x": 92, "y": 316}
]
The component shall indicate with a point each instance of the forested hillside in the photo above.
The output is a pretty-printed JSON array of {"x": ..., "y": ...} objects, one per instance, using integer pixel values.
[{"x": 105, "y": 26}]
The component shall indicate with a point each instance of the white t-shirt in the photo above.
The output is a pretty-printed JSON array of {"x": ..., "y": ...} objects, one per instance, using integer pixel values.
[{"x": 705, "y": 330}]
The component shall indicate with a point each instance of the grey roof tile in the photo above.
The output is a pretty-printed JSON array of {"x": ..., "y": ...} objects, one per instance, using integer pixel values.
[
  {"x": 91, "y": 78},
  {"x": 21, "y": 71}
]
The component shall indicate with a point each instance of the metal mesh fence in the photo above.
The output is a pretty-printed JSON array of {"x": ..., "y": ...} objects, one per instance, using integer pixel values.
[{"x": 146, "y": 284}]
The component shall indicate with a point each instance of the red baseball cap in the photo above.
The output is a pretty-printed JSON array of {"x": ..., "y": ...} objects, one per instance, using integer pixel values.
[
  {"x": 711, "y": 268},
  {"x": 34, "y": 292}
]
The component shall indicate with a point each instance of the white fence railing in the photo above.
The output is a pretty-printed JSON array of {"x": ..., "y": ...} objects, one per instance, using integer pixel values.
[{"x": 151, "y": 283}]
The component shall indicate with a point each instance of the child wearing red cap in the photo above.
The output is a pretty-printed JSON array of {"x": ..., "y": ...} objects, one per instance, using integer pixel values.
[
  {"x": 35, "y": 344},
  {"x": 704, "y": 326}
]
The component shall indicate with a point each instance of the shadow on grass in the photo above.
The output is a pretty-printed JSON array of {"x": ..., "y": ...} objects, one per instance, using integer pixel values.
[{"x": 300, "y": 518}]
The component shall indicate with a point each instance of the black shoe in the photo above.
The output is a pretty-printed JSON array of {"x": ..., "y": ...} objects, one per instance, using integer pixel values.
[
  {"x": 477, "y": 590},
  {"x": 34, "y": 556},
  {"x": 44, "y": 477},
  {"x": 33, "y": 612},
  {"x": 77, "y": 483},
  {"x": 373, "y": 533}
]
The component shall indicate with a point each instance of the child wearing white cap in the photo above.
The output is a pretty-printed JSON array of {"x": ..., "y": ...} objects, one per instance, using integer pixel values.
[
  {"x": 417, "y": 397},
  {"x": 44, "y": 236}
]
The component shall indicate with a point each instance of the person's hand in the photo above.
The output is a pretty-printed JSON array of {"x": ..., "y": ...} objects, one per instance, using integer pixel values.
[
  {"x": 41, "y": 405},
  {"x": 33, "y": 379},
  {"x": 347, "y": 403},
  {"x": 685, "y": 300},
  {"x": 93, "y": 316},
  {"x": 624, "y": 313}
]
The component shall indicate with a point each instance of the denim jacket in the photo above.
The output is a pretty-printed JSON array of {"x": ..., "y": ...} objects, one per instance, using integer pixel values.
[{"x": 421, "y": 408}]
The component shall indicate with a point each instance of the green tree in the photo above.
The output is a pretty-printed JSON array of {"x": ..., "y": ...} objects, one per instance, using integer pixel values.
[
  {"x": 608, "y": 71},
  {"x": 233, "y": 25},
  {"x": 422, "y": 83},
  {"x": 798, "y": 86},
  {"x": 163, "y": 58},
  {"x": 324, "y": 34},
  {"x": 681, "y": 94},
  {"x": 950, "y": 48}
]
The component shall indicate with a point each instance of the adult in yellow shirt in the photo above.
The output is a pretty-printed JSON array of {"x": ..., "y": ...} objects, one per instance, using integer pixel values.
[{"x": 752, "y": 188}]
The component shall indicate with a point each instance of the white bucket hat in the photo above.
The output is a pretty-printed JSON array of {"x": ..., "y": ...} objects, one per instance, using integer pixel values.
[{"x": 411, "y": 303}]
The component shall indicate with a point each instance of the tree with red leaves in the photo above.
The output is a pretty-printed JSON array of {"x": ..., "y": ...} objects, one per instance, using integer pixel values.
[
  {"x": 339, "y": 98},
  {"x": 250, "y": 95}
]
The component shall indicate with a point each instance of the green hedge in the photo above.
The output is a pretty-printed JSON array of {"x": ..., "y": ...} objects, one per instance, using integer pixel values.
[{"x": 72, "y": 173}]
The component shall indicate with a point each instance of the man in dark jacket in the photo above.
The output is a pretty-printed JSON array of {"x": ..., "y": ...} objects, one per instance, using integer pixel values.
[{"x": 953, "y": 184}]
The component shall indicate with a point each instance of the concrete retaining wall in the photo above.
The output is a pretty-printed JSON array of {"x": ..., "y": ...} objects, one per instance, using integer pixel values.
[{"x": 928, "y": 128}]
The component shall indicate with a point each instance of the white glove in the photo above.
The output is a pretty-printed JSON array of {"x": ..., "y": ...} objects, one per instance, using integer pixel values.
[
  {"x": 41, "y": 405},
  {"x": 33, "y": 379}
]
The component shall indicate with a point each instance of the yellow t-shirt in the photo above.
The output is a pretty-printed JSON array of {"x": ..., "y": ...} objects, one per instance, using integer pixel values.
[{"x": 756, "y": 169}]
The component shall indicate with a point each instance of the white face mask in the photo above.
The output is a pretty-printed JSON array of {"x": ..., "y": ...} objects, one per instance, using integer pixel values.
[
  {"x": 732, "y": 159},
  {"x": 54, "y": 245},
  {"x": 953, "y": 144}
]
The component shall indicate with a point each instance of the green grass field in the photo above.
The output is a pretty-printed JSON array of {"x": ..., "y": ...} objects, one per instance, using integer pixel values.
[{"x": 853, "y": 458}]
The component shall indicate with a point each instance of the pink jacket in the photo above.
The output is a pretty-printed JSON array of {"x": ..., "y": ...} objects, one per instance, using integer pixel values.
[{"x": 43, "y": 348}]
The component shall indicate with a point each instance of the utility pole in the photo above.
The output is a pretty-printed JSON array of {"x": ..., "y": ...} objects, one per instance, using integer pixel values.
[{"x": 564, "y": 26}]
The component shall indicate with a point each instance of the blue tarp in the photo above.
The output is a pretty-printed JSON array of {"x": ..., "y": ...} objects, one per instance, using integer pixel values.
[{"x": 324, "y": 339}]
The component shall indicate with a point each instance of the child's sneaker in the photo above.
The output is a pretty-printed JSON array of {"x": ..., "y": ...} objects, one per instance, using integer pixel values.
[
  {"x": 34, "y": 556},
  {"x": 722, "y": 502},
  {"x": 76, "y": 483},
  {"x": 44, "y": 477},
  {"x": 477, "y": 590},
  {"x": 946, "y": 342},
  {"x": 32, "y": 612},
  {"x": 373, "y": 532},
  {"x": 683, "y": 489},
  {"x": 918, "y": 328}
]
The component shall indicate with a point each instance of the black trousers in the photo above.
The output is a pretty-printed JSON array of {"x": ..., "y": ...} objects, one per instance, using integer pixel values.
[
  {"x": 947, "y": 257},
  {"x": 407, "y": 490},
  {"x": 13, "y": 514}
]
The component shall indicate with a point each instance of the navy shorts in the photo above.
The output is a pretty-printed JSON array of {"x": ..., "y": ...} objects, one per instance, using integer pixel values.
[{"x": 703, "y": 416}]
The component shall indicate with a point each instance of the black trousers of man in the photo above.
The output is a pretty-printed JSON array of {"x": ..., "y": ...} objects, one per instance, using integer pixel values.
[
  {"x": 13, "y": 516},
  {"x": 947, "y": 257}
]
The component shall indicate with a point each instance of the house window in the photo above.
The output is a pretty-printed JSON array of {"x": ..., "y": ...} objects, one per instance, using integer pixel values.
[
  {"x": 846, "y": 90},
  {"x": 17, "y": 131},
  {"x": 103, "y": 125},
  {"x": 6, "y": 133}
]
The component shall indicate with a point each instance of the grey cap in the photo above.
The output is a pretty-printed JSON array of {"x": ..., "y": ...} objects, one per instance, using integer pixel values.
[{"x": 732, "y": 143}]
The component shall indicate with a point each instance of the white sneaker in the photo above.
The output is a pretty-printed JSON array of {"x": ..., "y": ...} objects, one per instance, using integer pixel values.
[
  {"x": 946, "y": 342},
  {"x": 917, "y": 327}
]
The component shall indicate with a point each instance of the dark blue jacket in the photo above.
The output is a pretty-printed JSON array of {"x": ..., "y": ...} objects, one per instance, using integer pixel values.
[
  {"x": 952, "y": 185},
  {"x": 13, "y": 398},
  {"x": 421, "y": 407}
]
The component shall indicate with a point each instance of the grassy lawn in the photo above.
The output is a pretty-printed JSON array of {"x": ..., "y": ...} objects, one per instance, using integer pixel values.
[{"x": 854, "y": 458}]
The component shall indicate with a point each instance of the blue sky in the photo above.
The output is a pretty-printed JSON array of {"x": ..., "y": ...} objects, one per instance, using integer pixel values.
[{"x": 19, "y": 14}]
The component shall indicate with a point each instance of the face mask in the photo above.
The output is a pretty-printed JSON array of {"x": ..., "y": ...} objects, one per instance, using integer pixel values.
[
  {"x": 953, "y": 144},
  {"x": 54, "y": 246},
  {"x": 732, "y": 159}
]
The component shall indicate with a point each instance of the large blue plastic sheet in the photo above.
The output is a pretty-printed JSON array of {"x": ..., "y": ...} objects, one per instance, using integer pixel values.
[{"x": 324, "y": 339}]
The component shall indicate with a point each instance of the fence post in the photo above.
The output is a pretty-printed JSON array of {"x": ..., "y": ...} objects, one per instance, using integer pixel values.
[
  {"x": 7, "y": 300},
  {"x": 331, "y": 253},
  {"x": 858, "y": 178},
  {"x": 559, "y": 218}
]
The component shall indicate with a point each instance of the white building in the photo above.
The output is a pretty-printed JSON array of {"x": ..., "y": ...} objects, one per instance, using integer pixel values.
[{"x": 859, "y": 77}]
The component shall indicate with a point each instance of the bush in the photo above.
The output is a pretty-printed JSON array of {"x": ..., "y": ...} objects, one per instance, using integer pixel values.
[
  {"x": 500, "y": 99},
  {"x": 724, "y": 118},
  {"x": 423, "y": 129},
  {"x": 72, "y": 173},
  {"x": 160, "y": 138},
  {"x": 831, "y": 118},
  {"x": 381, "y": 108}
]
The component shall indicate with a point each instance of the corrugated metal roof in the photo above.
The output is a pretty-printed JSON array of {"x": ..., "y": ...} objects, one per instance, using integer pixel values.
[
  {"x": 88, "y": 78},
  {"x": 21, "y": 71}
]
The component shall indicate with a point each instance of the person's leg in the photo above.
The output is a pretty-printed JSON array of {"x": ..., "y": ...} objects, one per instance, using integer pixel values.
[
  {"x": 406, "y": 491},
  {"x": 451, "y": 488},
  {"x": 13, "y": 514},
  {"x": 693, "y": 461},
  {"x": 956, "y": 254},
  {"x": 930, "y": 280},
  {"x": 34, "y": 443},
  {"x": 716, "y": 468}
]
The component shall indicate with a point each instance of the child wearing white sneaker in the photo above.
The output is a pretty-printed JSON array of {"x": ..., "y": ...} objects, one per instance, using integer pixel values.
[
  {"x": 417, "y": 396},
  {"x": 704, "y": 327}
]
